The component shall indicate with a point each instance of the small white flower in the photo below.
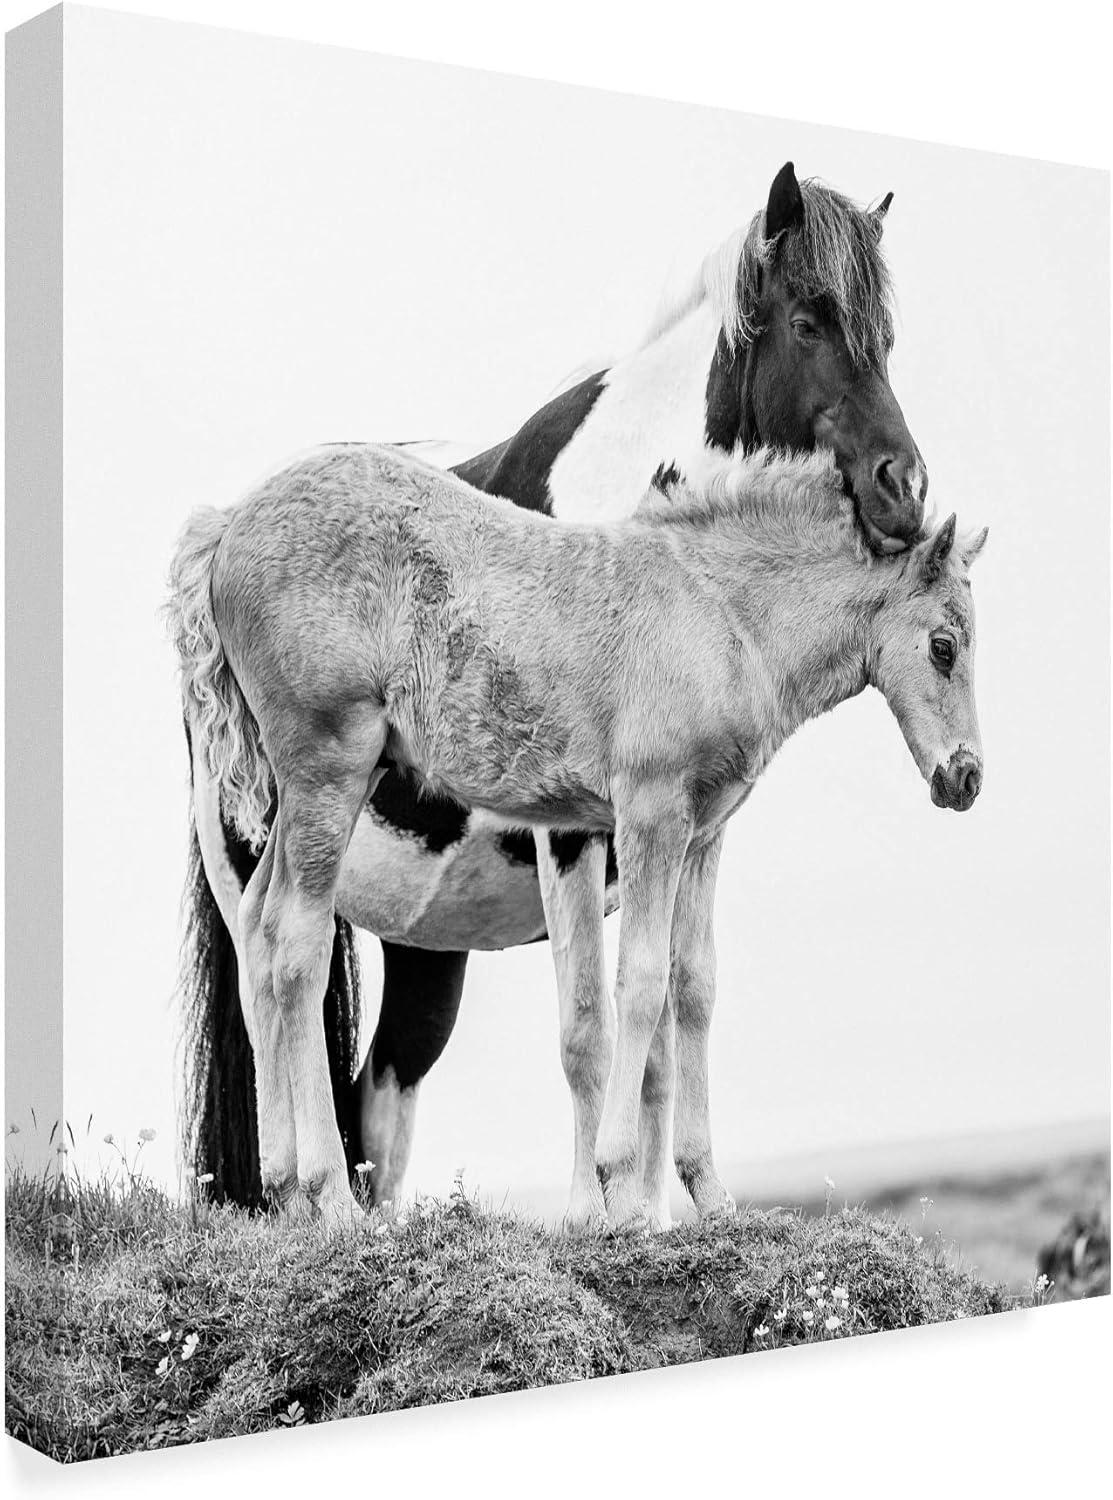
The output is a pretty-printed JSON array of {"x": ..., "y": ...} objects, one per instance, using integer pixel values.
[
  {"x": 808, "y": 1317},
  {"x": 163, "y": 1365},
  {"x": 780, "y": 1316},
  {"x": 821, "y": 1302},
  {"x": 811, "y": 1291},
  {"x": 832, "y": 1323},
  {"x": 822, "y": 1276},
  {"x": 164, "y": 1336},
  {"x": 841, "y": 1293},
  {"x": 363, "y": 1167},
  {"x": 829, "y": 1184},
  {"x": 110, "y": 1139},
  {"x": 761, "y": 1331},
  {"x": 147, "y": 1134},
  {"x": 189, "y": 1345},
  {"x": 205, "y": 1177}
]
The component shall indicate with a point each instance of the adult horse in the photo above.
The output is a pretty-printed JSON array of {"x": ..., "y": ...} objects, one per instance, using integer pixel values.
[
  {"x": 782, "y": 338},
  {"x": 362, "y": 612}
]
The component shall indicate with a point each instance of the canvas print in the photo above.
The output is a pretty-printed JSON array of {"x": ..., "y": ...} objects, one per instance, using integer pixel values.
[{"x": 513, "y": 875}]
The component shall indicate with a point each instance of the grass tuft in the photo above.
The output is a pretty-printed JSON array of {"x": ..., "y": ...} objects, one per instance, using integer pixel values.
[{"x": 144, "y": 1322}]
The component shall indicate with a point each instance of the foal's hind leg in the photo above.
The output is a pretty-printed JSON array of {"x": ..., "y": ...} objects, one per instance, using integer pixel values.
[
  {"x": 317, "y": 808},
  {"x": 573, "y": 898},
  {"x": 278, "y": 1162}
]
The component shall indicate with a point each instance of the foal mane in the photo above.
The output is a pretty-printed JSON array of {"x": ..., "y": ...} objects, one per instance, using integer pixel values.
[
  {"x": 787, "y": 503},
  {"x": 834, "y": 256}
]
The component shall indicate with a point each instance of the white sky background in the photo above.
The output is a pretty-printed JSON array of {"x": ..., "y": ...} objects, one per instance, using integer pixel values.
[{"x": 270, "y": 245}]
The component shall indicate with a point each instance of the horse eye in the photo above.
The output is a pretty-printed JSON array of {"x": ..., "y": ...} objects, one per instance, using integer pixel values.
[
  {"x": 943, "y": 652},
  {"x": 805, "y": 329}
]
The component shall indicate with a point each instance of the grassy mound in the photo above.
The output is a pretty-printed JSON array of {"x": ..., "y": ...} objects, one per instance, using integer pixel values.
[{"x": 170, "y": 1324}]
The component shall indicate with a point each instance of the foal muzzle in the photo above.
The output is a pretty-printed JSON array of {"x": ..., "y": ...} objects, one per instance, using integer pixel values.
[{"x": 957, "y": 784}]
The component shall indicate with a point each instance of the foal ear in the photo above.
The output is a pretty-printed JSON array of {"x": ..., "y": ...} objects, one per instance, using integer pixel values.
[
  {"x": 969, "y": 549},
  {"x": 937, "y": 550},
  {"x": 785, "y": 209}
]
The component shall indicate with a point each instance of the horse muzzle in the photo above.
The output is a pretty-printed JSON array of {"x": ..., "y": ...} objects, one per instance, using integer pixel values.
[
  {"x": 957, "y": 784},
  {"x": 891, "y": 503}
]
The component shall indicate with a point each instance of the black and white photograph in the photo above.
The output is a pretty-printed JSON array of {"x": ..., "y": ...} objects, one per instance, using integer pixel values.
[{"x": 558, "y": 796}]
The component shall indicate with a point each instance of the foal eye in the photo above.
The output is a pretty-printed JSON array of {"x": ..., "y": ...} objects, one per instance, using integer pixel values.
[
  {"x": 805, "y": 330},
  {"x": 943, "y": 652}
]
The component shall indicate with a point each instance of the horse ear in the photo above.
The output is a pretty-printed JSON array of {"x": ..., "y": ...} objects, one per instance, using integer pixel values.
[
  {"x": 878, "y": 214},
  {"x": 970, "y": 548},
  {"x": 785, "y": 209},
  {"x": 937, "y": 550}
]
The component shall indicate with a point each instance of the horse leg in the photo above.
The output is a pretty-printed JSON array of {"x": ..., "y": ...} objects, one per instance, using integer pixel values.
[
  {"x": 652, "y": 836},
  {"x": 654, "y": 1134},
  {"x": 693, "y": 989},
  {"x": 421, "y": 999},
  {"x": 318, "y": 805},
  {"x": 278, "y": 1162},
  {"x": 573, "y": 897}
]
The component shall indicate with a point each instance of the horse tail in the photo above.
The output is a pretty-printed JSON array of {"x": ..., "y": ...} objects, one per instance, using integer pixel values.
[
  {"x": 215, "y": 706},
  {"x": 219, "y": 1132}
]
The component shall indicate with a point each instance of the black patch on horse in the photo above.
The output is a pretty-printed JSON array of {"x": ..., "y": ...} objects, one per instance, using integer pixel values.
[
  {"x": 437, "y": 821},
  {"x": 518, "y": 846},
  {"x": 566, "y": 848},
  {"x": 611, "y": 875},
  {"x": 519, "y": 469}
]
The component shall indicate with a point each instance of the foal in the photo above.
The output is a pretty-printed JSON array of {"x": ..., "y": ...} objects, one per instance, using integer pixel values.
[{"x": 361, "y": 611}]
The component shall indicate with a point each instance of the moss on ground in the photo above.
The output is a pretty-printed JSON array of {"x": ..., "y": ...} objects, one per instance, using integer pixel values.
[{"x": 177, "y": 1324}]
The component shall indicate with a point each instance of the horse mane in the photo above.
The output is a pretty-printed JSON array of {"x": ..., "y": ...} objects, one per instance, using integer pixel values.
[{"x": 834, "y": 256}]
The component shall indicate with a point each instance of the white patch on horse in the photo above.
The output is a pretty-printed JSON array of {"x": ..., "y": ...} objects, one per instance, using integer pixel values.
[
  {"x": 387, "y": 1128},
  {"x": 467, "y": 896},
  {"x": 652, "y": 410}
]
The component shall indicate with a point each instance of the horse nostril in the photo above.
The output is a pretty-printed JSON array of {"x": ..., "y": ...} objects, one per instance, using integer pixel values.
[
  {"x": 886, "y": 480},
  {"x": 972, "y": 783}
]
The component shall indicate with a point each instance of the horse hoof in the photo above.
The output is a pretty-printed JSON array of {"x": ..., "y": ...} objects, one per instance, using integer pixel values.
[
  {"x": 583, "y": 1223},
  {"x": 340, "y": 1212},
  {"x": 586, "y": 1211},
  {"x": 722, "y": 1208}
]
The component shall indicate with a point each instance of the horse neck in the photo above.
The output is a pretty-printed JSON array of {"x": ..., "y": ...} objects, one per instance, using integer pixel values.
[
  {"x": 652, "y": 413},
  {"x": 806, "y": 605}
]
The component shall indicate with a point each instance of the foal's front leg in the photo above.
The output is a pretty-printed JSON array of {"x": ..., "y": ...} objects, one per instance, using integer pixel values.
[
  {"x": 693, "y": 996},
  {"x": 652, "y": 835},
  {"x": 573, "y": 892}
]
